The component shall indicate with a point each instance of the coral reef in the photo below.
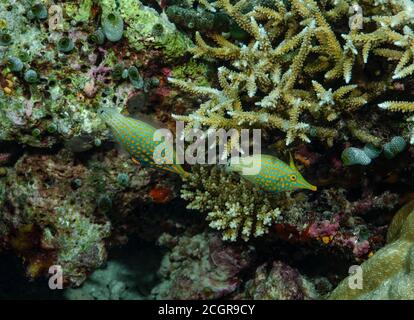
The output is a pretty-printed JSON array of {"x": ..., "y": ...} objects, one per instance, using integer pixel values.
[
  {"x": 239, "y": 210},
  {"x": 233, "y": 205},
  {"x": 329, "y": 82},
  {"x": 52, "y": 214},
  {"x": 199, "y": 267},
  {"x": 58, "y": 65},
  {"x": 391, "y": 149},
  {"x": 56, "y": 72},
  {"x": 303, "y": 70},
  {"x": 129, "y": 275},
  {"x": 278, "y": 281},
  {"x": 388, "y": 273},
  {"x": 147, "y": 29}
]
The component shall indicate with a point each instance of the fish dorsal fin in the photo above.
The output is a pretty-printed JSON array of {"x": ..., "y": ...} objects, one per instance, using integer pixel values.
[
  {"x": 269, "y": 152},
  {"x": 271, "y": 157},
  {"x": 148, "y": 120},
  {"x": 291, "y": 162}
]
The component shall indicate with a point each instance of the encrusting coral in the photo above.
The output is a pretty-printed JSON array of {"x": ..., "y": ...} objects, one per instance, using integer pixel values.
[
  {"x": 388, "y": 274},
  {"x": 278, "y": 282},
  {"x": 59, "y": 212},
  {"x": 200, "y": 267},
  {"x": 304, "y": 70},
  {"x": 58, "y": 70}
]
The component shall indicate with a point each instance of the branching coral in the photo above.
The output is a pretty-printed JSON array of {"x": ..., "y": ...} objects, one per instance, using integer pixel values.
[
  {"x": 234, "y": 206},
  {"x": 302, "y": 71}
]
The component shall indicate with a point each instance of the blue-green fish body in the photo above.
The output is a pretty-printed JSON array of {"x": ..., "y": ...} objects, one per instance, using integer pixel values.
[
  {"x": 269, "y": 173},
  {"x": 137, "y": 138}
]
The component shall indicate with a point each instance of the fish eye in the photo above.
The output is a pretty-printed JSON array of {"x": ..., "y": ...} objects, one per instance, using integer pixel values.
[{"x": 292, "y": 177}]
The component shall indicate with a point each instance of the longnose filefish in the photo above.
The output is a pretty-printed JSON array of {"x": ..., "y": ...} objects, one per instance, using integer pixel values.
[
  {"x": 269, "y": 173},
  {"x": 137, "y": 138}
]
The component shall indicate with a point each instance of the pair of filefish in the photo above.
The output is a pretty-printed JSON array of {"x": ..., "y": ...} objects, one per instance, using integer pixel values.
[{"x": 265, "y": 171}]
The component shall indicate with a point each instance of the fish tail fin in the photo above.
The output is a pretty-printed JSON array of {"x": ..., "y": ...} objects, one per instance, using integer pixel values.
[{"x": 185, "y": 174}]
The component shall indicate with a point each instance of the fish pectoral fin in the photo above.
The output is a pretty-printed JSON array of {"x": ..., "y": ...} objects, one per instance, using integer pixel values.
[{"x": 141, "y": 162}]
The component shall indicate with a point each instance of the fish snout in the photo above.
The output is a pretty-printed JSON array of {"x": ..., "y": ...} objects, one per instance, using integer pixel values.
[
  {"x": 306, "y": 185},
  {"x": 309, "y": 186}
]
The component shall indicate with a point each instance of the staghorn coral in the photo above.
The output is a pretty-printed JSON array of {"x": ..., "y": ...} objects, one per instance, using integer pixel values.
[
  {"x": 234, "y": 206},
  {"x": 388, "y": 273},
  {"x": 301, "y": 72}
]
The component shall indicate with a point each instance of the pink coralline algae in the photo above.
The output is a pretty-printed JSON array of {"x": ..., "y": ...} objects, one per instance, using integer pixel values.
[
  {"x": 167, "y": 72},
  {"x": 100, "y": 72},
  {"x": 344, "y": 228},
  {"x": 329, "y": 233},
  {"x": 324, "y": 228},
  {"x": 5, "y": 157}
]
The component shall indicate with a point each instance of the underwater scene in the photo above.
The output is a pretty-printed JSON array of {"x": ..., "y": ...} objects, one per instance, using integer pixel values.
[{"x": 207, "y": 149}]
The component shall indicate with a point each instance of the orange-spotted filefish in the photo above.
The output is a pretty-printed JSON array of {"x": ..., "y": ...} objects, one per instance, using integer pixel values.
[
  {"x": 137, "y": 138},
  {"x": 269, "y": 173}
]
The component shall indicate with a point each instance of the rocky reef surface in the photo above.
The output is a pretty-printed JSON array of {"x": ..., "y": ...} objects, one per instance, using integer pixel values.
[{"x": 329, "y": 82}]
